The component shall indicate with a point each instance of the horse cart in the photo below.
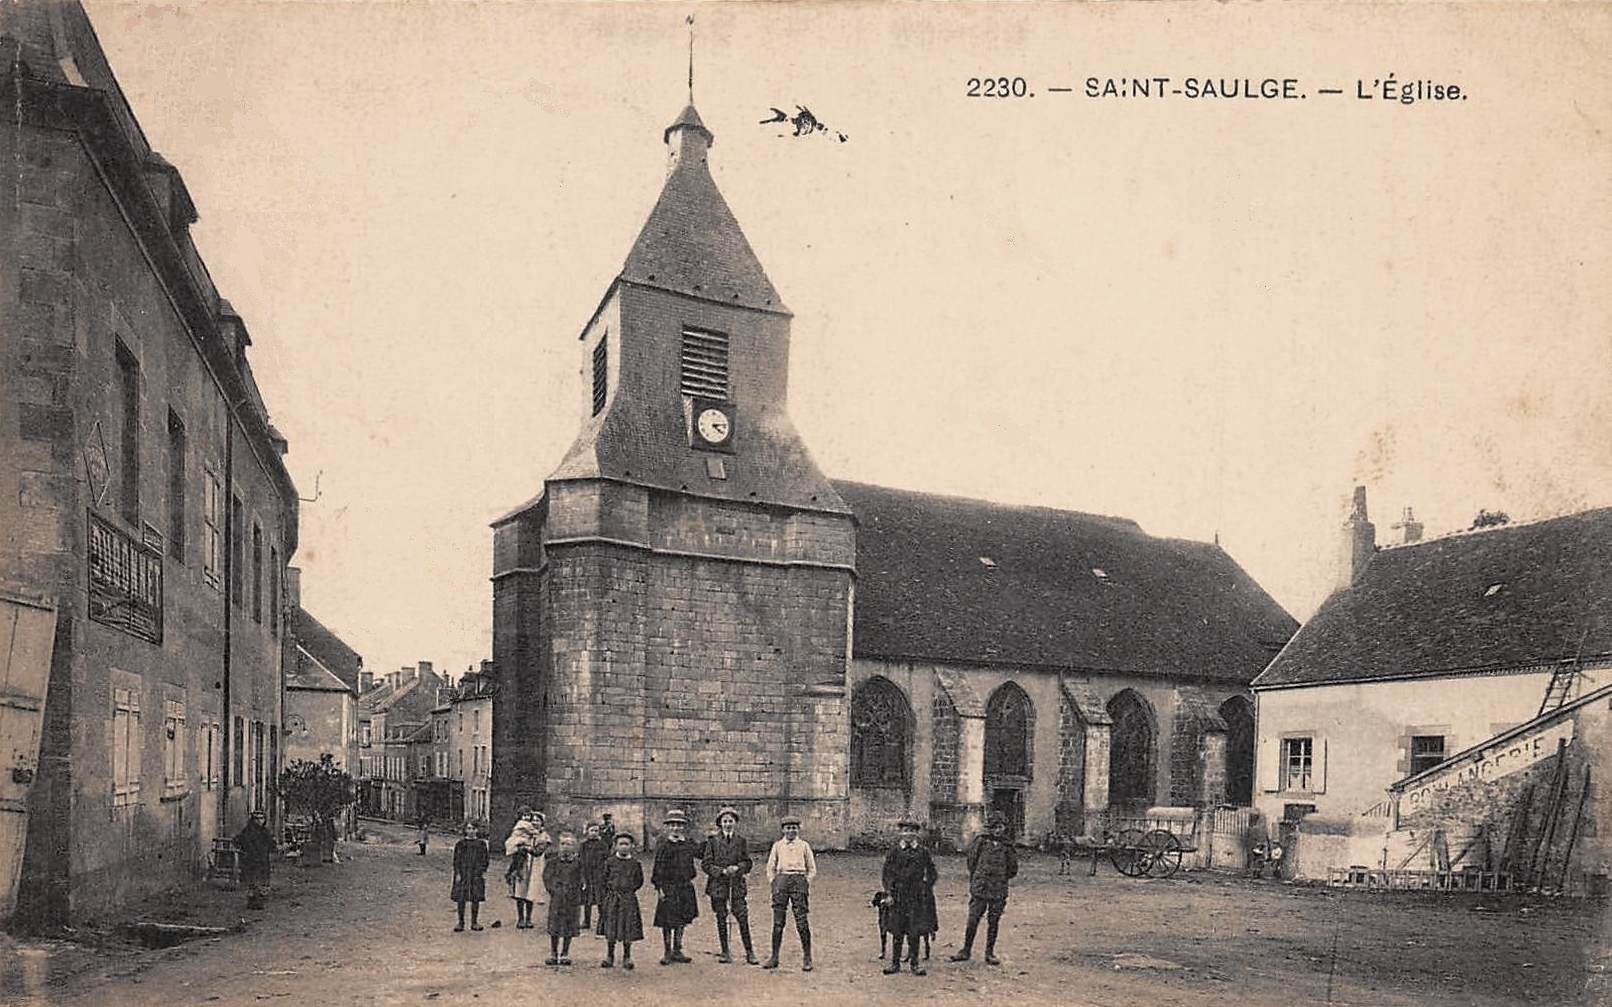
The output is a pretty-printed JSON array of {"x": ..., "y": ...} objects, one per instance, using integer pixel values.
[{"x": 1137, "y": 851}]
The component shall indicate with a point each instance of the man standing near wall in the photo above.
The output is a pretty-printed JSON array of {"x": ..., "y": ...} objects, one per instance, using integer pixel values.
[{"x": 992, "y": 863}]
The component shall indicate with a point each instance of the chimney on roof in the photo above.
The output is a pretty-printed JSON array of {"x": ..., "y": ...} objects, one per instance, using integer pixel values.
[
  {"x": 424, "y": 670},
  {"x": 1359, "y": 541},
  {"x": 1411, "y": 528},
  {"x": 366, "y": 680},
  {"x": 293, "y": 589},
  {"x": 487, "y": 667}
]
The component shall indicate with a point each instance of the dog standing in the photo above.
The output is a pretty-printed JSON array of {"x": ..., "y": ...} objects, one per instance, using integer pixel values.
[{"x": 881, "y": 902}]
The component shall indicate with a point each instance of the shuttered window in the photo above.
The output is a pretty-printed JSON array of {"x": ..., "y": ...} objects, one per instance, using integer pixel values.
[
  {"x": 705, "y": 364},
  {"x": 126, "y": 739},
  {"x": 601, "y": 373}
]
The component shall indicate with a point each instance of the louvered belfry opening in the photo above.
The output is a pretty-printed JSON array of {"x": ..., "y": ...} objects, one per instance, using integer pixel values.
[
  {"x": 705, "y": 364},
  {"x": 601, "y": 374}
]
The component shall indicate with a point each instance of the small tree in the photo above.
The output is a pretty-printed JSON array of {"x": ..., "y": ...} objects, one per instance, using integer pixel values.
[
  {"x": 1489, "y": 519},
  {"x": 319, "y": 790}
]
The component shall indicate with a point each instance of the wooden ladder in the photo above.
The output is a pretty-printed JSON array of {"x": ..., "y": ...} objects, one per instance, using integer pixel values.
[{"x": 1562, "y": 680}]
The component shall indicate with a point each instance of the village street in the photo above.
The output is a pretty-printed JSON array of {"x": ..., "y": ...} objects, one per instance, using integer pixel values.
[{"x": 375, "y": 929}]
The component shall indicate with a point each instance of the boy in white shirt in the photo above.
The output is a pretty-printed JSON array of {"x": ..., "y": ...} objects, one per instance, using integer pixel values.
[{"x": 790, "y": 870}]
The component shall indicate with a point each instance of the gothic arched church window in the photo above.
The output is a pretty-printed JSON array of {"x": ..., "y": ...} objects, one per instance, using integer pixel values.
[
  {"x": 1008, "y": 732},
  {"x": 880, "y": 734}
]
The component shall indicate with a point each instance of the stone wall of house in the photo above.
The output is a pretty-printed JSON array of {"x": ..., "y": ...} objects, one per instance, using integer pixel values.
[{"x": 101, "y": 266}]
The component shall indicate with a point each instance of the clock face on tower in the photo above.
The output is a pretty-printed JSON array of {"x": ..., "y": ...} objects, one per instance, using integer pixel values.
[{"x": 713, "y": 425}]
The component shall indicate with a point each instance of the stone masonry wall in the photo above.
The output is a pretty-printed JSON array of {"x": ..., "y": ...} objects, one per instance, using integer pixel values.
[
  {"x": 81, "y": 287},
  {"x": 685, "y": 681}
]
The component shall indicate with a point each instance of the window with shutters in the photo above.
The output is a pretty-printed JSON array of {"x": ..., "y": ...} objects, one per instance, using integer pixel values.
[
  {"x": 601, "y": 372},
  {"x": 176, "y": 486},
  {"x": 173, "y": 748},
  {"x": 238, "y": 748},
  {"x": 125, "y": 746},
  {"x": 1298, "y": 763},
  {"x": 212, "y": 529},
  {"x": 128, "y": 368},
  {"x": 210, "y": 736},
  {"x": 705, "y": 364},
  {"x": 237, "y": 553},
  {"x": 257, "y": 572},
  {"x": 274, "y": 591}
]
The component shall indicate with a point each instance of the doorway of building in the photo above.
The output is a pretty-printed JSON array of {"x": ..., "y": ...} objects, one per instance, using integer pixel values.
[
  {"x": 1238, "y": 714},
  {"x": 1009, "y": 803}
]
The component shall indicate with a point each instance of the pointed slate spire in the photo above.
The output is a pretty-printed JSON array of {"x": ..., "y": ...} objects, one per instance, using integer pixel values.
[{"x": 692, "y": 244}]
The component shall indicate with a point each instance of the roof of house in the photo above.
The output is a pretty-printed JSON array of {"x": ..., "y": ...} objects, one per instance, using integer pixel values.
[
  {"x": 1511, "y": 597},
  {"x": 308, "y": 672},
  {"x": 692, "y": 244},
  {"x": 966, "y": 581},
  {"x": 326, "y": 647}
]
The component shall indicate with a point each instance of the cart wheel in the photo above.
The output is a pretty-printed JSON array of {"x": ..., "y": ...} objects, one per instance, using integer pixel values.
[
  {"x": 1164, "y": 853},
  {"x": 1129, "y": 854}
]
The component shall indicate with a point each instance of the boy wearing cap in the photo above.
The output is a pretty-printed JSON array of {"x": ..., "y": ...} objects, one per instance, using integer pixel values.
[
  {"x": 909, "y": 878},
  {"x": 620, "y": 919},
  {"x": 790, "y": 870},
  {"x": 726, "y": 862},
  {"x": 992, "y": 863},
  {"x": 673, "y": 877}
]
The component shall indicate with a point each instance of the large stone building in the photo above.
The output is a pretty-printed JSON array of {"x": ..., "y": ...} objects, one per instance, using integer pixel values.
[
  {"x": 673, "y": 614},
  {"x": 142, "y": 496}
]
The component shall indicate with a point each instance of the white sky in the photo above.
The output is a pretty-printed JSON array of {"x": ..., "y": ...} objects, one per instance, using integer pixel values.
[{"x": 1203, "y": 315}]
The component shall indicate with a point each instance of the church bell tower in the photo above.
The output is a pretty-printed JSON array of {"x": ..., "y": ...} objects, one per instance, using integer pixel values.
[{"x": 672, "y": 614}]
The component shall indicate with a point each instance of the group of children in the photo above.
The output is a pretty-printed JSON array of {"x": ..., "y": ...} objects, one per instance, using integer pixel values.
[{"x": 603, "y": 873}]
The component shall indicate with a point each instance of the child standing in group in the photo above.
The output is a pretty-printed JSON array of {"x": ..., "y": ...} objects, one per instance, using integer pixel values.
[
  {"x": 909, "y": 878},
  {"x": 620, "y": 919},
  {"x": 726, "y": 861},
  {"x": 673, "y": 878},
  {"x": 790, "y": 870},
  {"x": 562, "y": 878},
  {"x": 592, "y": 858},
  {"x": 525, "y": 847},
  {"x": 469, "y": 876}
]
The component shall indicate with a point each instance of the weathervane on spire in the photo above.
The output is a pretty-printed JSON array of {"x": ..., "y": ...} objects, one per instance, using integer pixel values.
[{"x": 690, "y": 22}]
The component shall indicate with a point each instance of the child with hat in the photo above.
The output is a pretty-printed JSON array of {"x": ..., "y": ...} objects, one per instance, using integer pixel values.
[
  {"x": 726, "y": 862},
  {"x": 909, "y": 879},
  {"x": 620, "y": 919},
  {"x": 790, "y": 870},
  {"x": 673, "y": 877},
  {"x": 992, "y": 863}
]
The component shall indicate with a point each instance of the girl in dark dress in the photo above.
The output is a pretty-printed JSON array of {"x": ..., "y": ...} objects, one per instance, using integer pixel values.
[
  {"x": 592, "y": 856},
  {"x": 469, "y": 876},
  {"x": 673, "y": 878},
  {"x": 620, "y": 919},
  {"x": 562, "y": 879}
]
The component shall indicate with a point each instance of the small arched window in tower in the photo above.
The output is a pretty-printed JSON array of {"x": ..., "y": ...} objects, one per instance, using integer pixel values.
[
  {"x": 601, "y": 372},
  {"x": 880, "y": 730}
]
